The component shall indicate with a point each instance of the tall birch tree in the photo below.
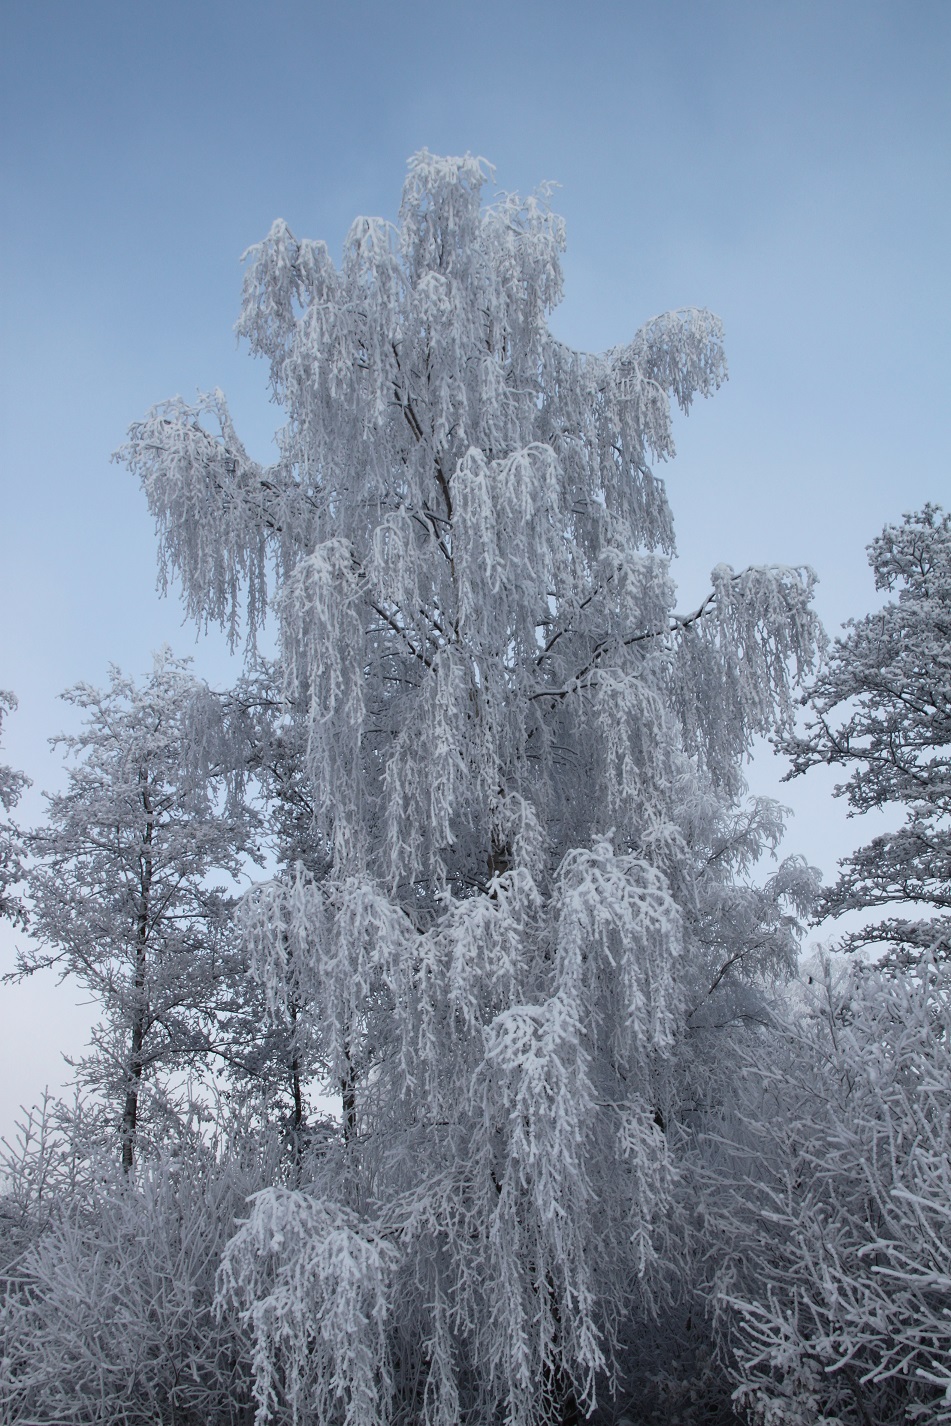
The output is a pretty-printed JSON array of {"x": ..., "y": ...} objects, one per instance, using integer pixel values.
[{"x": 524, "y": 913}]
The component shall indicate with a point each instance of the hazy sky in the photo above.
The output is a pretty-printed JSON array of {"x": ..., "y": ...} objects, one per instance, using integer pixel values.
[{"x": 785, "y": 164}]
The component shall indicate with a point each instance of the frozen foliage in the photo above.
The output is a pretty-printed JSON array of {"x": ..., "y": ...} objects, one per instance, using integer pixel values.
[
  {"x": 889, "y": 682},
  {"x": 109, "y": 1314},
  {"x": 121, "y": 891},
  {"x": 518, "y": 914},
  {"x": 11, "y": 849},
  {"x": 46, "y": 1164},
  {"x": 313, "y": 1287},
  {"x": 839, "y": 1236}
]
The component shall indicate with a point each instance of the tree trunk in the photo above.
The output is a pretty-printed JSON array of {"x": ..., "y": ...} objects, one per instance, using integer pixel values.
[
  {"x": 348, "y": 1093},
  {"x": 560, "y": 1400},
  {"x": 297, "y": 1092},
  {"x": 130, "y": 1113}
]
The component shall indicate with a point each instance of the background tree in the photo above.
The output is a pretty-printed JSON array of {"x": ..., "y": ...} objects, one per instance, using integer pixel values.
[
  {"x": 11, "y": 849},
  {"x": 889, "y": 682},
  {"x": 274, "y": 1039},
  {"x": 121, "y": 891},
  {"x": 523, "y": 919}
]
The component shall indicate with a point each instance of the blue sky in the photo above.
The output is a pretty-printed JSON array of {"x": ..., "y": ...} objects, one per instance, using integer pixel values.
[{"x": 785, "y": 164}]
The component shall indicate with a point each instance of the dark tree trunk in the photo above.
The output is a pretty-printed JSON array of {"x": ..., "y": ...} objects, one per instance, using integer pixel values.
[
  {"x": 561, "y": 1403},
  {"x": 130, "y": 1113},
  {"x": 348, "y": 1094},
  {"x": 297, "y": 1093}
]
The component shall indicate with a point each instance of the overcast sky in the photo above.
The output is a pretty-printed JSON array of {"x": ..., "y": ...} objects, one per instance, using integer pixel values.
[{"x": 785, "y": 164}]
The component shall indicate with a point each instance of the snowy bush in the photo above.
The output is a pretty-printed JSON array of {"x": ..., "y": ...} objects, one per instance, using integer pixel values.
[
  {"x": 837, "y": 1234},
  {"x": 108, "y": 1315}
]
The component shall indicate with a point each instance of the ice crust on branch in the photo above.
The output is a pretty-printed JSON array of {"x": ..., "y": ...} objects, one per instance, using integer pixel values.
[{"x": 519, "y": 907}]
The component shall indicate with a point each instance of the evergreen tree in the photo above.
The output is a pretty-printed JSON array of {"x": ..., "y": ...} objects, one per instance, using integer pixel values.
[{"x": 889, "y": 681}]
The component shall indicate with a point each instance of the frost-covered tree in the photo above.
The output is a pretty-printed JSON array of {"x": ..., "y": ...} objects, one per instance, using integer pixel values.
[
  {"x": 521, "y": 913},
  {"x": 275, "y": 1053},
  {"x": 122, "y": 891},
  {"x": 11, "y": 849},
  {"x": 882, "y": 707}
]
